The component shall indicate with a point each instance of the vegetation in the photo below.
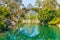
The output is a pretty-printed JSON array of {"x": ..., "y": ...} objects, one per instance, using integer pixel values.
[
  {"x": 46, "y": 14},
  {"x": 4, "y": 14},
  {"x": 46, "y": 10}
]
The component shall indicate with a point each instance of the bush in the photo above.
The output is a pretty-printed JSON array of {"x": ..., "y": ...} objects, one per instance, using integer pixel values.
[
  {"x": 3, "y": 12},
  {"x": 55, "y": 20},
  {"x": 46, "y": 14}
]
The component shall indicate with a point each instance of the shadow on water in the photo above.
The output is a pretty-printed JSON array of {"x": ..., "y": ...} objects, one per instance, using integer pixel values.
[{"x": 46, "y": 32}]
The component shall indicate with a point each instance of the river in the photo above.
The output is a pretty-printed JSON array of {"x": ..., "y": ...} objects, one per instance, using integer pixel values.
[{"x": 25, "y": 32}]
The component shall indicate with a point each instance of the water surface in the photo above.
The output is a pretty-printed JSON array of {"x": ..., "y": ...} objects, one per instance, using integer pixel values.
[{"x": 46, "y": 32}]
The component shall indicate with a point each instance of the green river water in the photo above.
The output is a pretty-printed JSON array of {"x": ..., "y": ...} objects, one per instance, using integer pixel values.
[{"x": 46, "y": 32}]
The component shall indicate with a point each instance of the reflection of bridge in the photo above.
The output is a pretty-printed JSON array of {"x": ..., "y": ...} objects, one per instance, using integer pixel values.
[{"x": 31, "y": 21}]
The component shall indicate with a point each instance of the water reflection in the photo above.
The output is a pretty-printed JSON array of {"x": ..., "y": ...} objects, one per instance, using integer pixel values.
[
  {"x": 46, "y": 32},
  {"x": 30, "y": 30}
]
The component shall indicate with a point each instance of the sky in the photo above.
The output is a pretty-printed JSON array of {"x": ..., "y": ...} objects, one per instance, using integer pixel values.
[
  {"x": 58, "y": 1},
  {"x": 26, "y": 2}
]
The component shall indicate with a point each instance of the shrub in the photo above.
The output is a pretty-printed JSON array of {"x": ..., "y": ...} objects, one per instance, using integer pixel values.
[
  {"x": 3, "y": 12},
  {"x": 46, "y": 14}
]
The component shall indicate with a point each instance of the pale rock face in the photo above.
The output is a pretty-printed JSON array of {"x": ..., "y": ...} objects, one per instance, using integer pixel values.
[
  {"x": 8, "y": 22},
  {"x": 58, "y": 25},
  {"x": 13, "y": 23}
]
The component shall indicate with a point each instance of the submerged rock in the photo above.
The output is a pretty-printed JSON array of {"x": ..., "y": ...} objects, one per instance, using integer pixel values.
[{"x": 30, "y": 31}]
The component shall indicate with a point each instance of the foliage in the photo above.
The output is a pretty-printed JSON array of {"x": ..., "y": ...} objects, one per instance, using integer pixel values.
[
  {"x": 50, "y": 4},
  {"x": 46, "y": 14},
  {"x": 38, "y": 3},
  {"x": 55, "y": 20},
  {"x": 3, "y": 12},
  {"x": 31, "y": 14},
  {"x": 2, "y": 25},
  {"x": 58, "y": 12}
]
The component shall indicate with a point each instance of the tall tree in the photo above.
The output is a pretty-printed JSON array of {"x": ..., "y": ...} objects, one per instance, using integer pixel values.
[
  {"x": 14, "y": 5},
  {"x": 50, "y": 3},
  {"x": 38, "y": 3}
]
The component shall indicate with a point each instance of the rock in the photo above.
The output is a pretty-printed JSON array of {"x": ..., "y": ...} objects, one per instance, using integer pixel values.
[
  {"x": 58, "y": 25},
  {"x": 13, "y": 23},
  {"x": 8, "y": 22}
]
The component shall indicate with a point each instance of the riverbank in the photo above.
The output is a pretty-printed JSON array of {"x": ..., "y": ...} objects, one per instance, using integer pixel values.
[{"x": 30, "y": 21}]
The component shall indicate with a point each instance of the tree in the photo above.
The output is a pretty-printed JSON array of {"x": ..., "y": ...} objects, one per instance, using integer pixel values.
[
  {"x": 14, "y": 5},
  {"x": 45, "y": 15},
  {"x": 50, "y": 4},
  {"x": 38, "y": 3},
  {"x": 4, "y": 13}
]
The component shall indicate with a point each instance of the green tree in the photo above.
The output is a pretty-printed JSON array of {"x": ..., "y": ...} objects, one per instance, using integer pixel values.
[
  {"x": 50, "y": 4},
  {"x": 45, "y": 15},
  {"x": 14, "y": 5},
  {"x": 4, "y": 11}
]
